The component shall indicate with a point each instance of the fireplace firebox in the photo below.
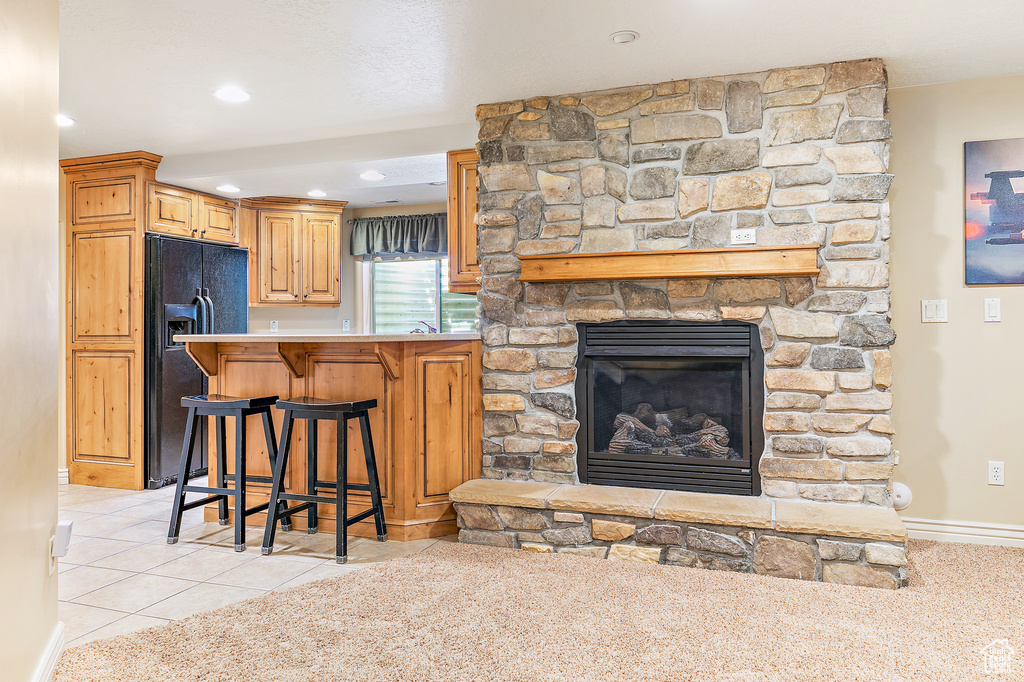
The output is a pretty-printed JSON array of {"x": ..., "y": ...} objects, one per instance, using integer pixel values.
[{"x": 671, "y": 404}]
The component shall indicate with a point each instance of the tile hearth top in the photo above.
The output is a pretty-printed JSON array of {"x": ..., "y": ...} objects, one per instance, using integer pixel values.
[{"x": 839, "y": 520}]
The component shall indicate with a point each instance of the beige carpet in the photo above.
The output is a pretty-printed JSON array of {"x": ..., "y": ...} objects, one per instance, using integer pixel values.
[{"x": 473, "y": 613}]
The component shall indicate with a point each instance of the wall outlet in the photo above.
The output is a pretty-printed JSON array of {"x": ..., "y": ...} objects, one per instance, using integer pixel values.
[
  {"x": 273, "y": 325},
  {"x": 346, "y": 325},
  {"x": 746, "y": 235},
  {"x": 996, "y": 473}
]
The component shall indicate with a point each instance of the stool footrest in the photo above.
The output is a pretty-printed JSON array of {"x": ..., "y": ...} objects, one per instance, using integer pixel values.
[
  {"x": 362, "y": 515},
  {"x": 251, "y": 479},
  {"x": 219, "y": 492},
  {"x": 202, "y": 502},
  {"x": 313, "y": 499},
  {"x": 331, "y": 485},
  {"x": 288, "y": 512}
]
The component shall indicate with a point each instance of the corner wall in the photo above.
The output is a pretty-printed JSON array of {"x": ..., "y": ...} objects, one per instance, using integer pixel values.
[
  {"x": 960, "y": 403},
  {"x": 30, "y": 293}
]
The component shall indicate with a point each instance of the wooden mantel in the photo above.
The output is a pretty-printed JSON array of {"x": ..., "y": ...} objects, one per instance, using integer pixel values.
[{"x": 754, "y": 261}]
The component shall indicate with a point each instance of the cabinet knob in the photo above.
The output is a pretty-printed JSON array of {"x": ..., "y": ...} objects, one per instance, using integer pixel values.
[{"x": 202, "y": 233}]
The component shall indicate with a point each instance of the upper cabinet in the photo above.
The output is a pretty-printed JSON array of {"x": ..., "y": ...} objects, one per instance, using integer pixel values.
[
  {"x": 295, "y": 251},
  {"x": 183, "y": 213},
  {"x": 463, "y": 264}
]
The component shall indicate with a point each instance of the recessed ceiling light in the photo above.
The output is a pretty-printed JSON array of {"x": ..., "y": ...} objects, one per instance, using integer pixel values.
[
  {"x": 230, "y": 189},
  {"x": 317, "y": 193},
  {"x": 64, "y": 121},
  {"x": 232, "y": 93},
  {"x": 624, "y": 36},
  {"x": 389, "y": 201},
  {"x": 372, "y": 175},
  {"x": 438, "y": 183}
]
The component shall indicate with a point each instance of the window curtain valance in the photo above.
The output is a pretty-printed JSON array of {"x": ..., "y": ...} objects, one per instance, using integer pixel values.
[{"x": 424, "y": 233}]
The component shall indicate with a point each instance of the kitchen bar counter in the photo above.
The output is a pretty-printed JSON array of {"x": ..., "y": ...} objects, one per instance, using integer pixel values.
[
  {"x": 426, "y": 427},
  {"x": 323, "y": 338}
]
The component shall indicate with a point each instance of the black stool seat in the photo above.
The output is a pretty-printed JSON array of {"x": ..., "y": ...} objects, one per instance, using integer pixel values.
[
  {"x": 220, "y": 407},
  {"x": 314, "y": 410},
  {"x": 215, "y": 401},
  {"x": 306, "y": 403}
]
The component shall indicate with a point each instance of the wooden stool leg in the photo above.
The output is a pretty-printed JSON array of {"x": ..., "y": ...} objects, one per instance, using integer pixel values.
[
  {"x": 240, "y": 502},
  {"x": 191, "y": 426},
  {"x": 371, "y": 475},
  {"x": 268, "y": 433},
  {"x": 278, "y": 482},
  {"x": 312, "y": 449},
  {"x": 341, "y": 555},
  {"x": 222, "y": 467}
]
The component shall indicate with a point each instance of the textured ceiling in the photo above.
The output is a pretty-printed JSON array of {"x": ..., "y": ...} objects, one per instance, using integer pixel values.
[{"x": 338, "y": 84}]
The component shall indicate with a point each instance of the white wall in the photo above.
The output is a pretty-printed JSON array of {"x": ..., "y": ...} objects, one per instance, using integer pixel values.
[
  {"x": 958, "y": 386},
  {"x": 298, "y": 320},
  {"x": 30, "y": 293}
]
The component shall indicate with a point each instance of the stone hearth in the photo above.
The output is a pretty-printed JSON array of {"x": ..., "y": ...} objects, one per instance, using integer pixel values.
[{"x": 797, "y": 156}]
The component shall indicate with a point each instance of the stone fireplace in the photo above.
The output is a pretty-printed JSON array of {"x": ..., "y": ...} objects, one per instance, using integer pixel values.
[{"x": 617, "y": 209}]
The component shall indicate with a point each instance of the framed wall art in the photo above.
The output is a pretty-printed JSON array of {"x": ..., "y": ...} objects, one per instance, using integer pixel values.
[{"x": 994, "y": 211}]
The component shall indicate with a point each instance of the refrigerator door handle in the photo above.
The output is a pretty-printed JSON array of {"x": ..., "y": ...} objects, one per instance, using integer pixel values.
[
  {"x": 209, "y": 305},
  {"x": 203, "y": 316}
]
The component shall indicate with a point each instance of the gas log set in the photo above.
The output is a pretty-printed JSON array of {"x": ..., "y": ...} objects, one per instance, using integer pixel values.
[{"x": 675, "y": 432}]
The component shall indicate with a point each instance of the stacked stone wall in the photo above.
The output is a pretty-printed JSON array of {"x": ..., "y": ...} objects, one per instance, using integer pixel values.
[
  {"x": 799, "y": 156},
  {"x": 868, "y": 563}
]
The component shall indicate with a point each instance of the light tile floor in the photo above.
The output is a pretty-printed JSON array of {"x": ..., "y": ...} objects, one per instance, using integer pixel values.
[{"x": 120, "y": 575}]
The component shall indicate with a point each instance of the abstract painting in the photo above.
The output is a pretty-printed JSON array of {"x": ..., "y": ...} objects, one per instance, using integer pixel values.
[{"x": 994, "y": 211}]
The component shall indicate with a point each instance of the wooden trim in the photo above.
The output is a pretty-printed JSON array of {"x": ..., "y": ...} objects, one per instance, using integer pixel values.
[
  {"x": 293, "y": 204},
  {"x": 204, "y": 354},
  {"x": 756, "y": 261},
  {"x": 293, "y": 355},
  {"x": 124, "y": 159}
]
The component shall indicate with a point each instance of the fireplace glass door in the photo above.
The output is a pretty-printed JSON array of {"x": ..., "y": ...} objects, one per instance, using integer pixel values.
[{"x": 684, "y": 414}]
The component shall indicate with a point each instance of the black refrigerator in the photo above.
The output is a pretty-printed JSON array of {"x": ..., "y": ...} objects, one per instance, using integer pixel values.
[{"x": 191, "y": 288}]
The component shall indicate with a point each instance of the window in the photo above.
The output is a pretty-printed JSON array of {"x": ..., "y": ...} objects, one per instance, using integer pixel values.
[{"x": 406, "y": 292}]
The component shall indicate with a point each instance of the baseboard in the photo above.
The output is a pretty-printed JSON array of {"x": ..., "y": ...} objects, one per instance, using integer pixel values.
[
  {"x": 965, "y": 531},
  {"x": 51, "y": 656},
  {"x": 62, "y": 477}
]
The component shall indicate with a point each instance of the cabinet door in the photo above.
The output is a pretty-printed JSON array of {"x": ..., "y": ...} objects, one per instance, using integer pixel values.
[
  {"x": 218, "y": 219},
  {"x": 321, "y": 259},
  {"x": 172, "y": 211},
  {"x": 279, "y": 256},
  {"x": 463, "y": 265}
]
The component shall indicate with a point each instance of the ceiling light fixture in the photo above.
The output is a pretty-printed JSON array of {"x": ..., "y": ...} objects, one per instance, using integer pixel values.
[
  {"x": 389, "y": 201},
  {"x": 64, "y": 121},
  {"x": 231, "y": 93},
  {"x": 230, "y": 189},
  {"x": 624, "y": 36},
  {"x": 438, "y": 183},
  {"x": 372, "y": 175},
  {"x": 316, "y": 193}
]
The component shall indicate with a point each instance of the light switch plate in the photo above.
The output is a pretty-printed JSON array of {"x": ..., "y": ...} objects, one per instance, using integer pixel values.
[
  {"x": 993, "y": 310},
  {"x": 934, "y": 310}
]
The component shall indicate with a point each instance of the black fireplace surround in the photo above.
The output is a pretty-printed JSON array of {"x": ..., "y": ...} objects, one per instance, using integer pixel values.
[{"x": 670, "y": 404}]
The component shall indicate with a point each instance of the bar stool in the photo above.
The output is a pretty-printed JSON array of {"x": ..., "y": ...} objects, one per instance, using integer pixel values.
[
  {"x": 220, "y": 407},
  {"x": 314, "y": 410}
]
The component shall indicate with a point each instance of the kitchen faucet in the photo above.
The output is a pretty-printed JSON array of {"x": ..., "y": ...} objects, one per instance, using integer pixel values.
[{"x": 430, "y": 330}]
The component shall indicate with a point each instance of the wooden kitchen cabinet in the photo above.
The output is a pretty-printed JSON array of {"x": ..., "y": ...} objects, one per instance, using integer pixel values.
[
  {"x": 463, "y": 264},
  {"x": 180, "y": 212},
  {"x": 108, "y": 197},
  {"x": 295, "y": 251}
]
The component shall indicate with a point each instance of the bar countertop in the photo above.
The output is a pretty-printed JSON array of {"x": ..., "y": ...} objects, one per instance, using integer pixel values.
[{"x": 322, "y": 338}]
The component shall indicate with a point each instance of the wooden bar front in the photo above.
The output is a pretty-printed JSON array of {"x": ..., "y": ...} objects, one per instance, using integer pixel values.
[{"x": 426, "y": 427}]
